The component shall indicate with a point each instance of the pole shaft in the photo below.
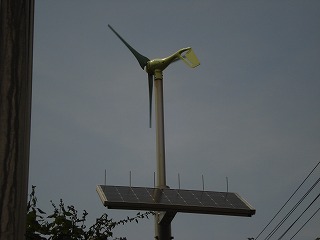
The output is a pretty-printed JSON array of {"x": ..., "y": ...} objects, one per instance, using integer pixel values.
[
  {"x": 161, "y": 170},
  {"x": 16, "y": 44},
  {"x": 162, "y": 231}
]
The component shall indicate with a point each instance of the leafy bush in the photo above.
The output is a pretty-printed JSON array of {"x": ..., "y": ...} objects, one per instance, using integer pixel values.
[{"x": 65, "y": 223}]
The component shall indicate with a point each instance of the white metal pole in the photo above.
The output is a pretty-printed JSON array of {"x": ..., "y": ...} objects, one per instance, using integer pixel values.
[
  {"x": 161, "y": 170},
  {"x": 162, "y": 231}
]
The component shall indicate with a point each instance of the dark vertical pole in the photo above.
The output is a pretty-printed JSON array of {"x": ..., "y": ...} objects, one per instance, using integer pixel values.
[{"x": 16, "y": 45}]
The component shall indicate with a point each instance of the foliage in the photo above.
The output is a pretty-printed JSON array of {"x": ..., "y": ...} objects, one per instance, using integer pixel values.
[{"x": 65, "y": 223}]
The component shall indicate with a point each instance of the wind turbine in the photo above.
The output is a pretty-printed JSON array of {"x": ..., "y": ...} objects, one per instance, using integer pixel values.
[
  {"x": 154, "y": 68},
  {"x": 151, "y": 66}
]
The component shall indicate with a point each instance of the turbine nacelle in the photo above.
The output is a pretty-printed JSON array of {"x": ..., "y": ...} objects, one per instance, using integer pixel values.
[{"x": 162, "y": 63}]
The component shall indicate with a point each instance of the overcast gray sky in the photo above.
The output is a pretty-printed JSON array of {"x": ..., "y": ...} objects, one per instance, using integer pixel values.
[{"x": 249, "y": 112}]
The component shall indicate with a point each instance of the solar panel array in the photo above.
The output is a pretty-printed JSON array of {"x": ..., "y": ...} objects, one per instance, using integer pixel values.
[{"x": 177, "y": 200}]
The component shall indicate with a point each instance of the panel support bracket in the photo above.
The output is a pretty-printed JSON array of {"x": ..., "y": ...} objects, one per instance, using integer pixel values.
[{"x": 165, "y": 218}]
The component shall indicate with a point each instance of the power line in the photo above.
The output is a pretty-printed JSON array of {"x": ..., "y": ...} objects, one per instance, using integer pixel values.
[
  {"x": 305, "y": 223},
  {"x": 298, "y": 217},
  {"x": 291, "y": 211},
  {"x": 287, "y": 201}
]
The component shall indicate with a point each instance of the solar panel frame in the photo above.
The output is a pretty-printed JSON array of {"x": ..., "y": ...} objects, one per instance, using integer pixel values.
[{"x": 177, "y": 200}]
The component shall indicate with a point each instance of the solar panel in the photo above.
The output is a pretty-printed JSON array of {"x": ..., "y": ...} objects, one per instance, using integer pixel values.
[{"x": 177, "y": 200}]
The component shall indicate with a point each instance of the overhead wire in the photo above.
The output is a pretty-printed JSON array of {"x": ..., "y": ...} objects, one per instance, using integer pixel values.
[
  {"x": 291, "y": 211},
  {"x": 305, "y": 223},
  {"x": 287, "y": 201},
  {"x": 298, "y": 217}
]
